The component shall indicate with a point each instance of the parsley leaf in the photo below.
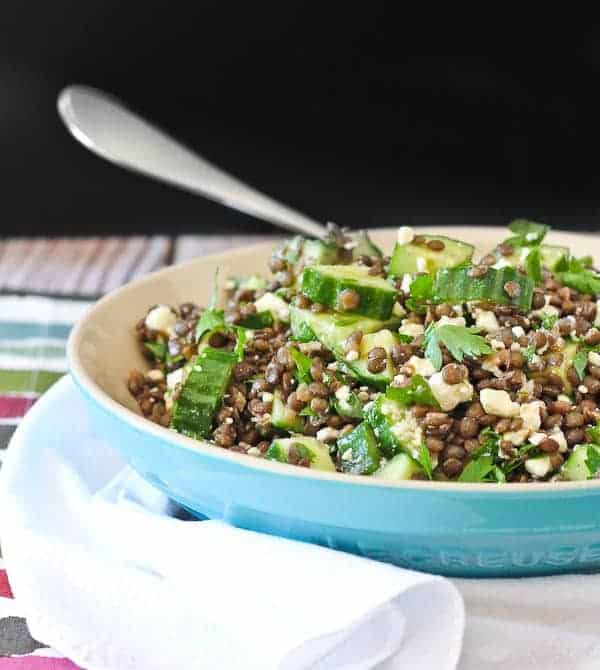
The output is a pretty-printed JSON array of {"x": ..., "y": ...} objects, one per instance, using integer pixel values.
[
  {"x": 307, "y": 411},
  {"x": 549, "y": 321},
  {"x": 421, "y": 290},
  {"x": 580, "y": 362},
  {"x": 476, "y": 470},
  {"x": 416, "y": 392},
  {"x": 533, "y": 265},
  {"x": 592, "y": 461},
  {"x": 593, "y": 432},
  {"x": 527, "y": 232},
  {"x": 529, "y": 352},
  {"x": 240, "y": 342},
  {"x": 585, "y": 281},
  {"x": 425, "y": 460},
  {"x": 432, "y": 347},
  {"x": 404, "y": 339},
  {"x": 459, "y": 340},
  {"x": 209, "y": 320},
  {"x": 303, "y": 365},
  {"x": 157, "y": 349}
]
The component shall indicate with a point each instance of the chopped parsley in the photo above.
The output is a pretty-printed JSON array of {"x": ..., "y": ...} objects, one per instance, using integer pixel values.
[
  {"x": 425, "y": 460},
  {"x": 529, "y": 352},
  {"x": 533, "y": 265},
  {"x": 157, "y": 349},
  {"x": 460, "y": 341},
  {"x": 416, "y": 392},
  {"x": 303, "y": 365}
]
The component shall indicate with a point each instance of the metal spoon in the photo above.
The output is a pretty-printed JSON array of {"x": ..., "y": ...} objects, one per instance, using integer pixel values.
[{"x": 108, "y": 128}]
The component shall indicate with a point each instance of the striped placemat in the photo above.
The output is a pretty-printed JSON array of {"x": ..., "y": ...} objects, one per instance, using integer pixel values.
[{"x": 33, "y": 332}]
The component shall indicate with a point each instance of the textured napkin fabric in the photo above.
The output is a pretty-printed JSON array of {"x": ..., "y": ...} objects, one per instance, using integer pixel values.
[{"x": 106, "y": 576}]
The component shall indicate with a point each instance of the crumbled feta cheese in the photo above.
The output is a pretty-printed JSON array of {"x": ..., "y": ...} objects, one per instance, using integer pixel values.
[
  {"x": 497, "y": 345},
  {"x": 486, "y": 320},
  {"x": 535, "y": 360},
  {"x": 501, "y": 263},
  {"x": 530, "y": 237},
  {"x": 155, "y": 375},
  {"x": 421, "y": 265},
  {"x": 269, "y": 302},
  {"x": 539, "y": 466},
  {"x": 399, "y": 380},
  {"x": 530, "y": 415},
  {"x": 406, "y": 282},
  {"x": 421, "y": 366},
  {"x": 253, "y": 451},
  {"x": 559, "y": 437},
  {"x": 412, "y": 329},
  {"x": 229, "y": 420},
  {"x": 546, "y": 310},
  {"x": 449, "y": 395},
  {"x": 582, "y": 388},
  {"x": 398, "y": 310},
  {"x": 267, "y": 397},
  {"x": 405, "y": 235},
  {"x": 515, "y": 346},
  {"x": 327, "y": 434},
  {"x": 498, "y": 403},
  {"x": 458, "y": 309},
  {"x": 332, "y": 366},
  {"x": 594, "y": 358},
  {"x": 452, "y": 321},
  {"x": 174, "y": 378},
  {"x": 597, "y": 319},
  {"x": 161, "y": 318},
  {"x": 352, "y": 355},
  {"x": 347, "y": 455},
  {"x": 343, "y": 393},
  {"x": 537, "y": 438},
  {"x": 518, "y": 331},
  {"x": 490, "y": 364},
  {"x": 404, "y": 427}
]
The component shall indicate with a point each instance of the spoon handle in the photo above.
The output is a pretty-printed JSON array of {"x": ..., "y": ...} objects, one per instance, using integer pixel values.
[{"x": 108, "y": 128}]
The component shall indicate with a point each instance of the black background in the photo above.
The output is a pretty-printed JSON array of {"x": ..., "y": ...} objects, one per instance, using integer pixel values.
[{"x": 352, "y": 113}]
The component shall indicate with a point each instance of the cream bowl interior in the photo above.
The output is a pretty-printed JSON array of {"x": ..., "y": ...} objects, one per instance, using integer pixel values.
[{"x": 103, "y": 349}]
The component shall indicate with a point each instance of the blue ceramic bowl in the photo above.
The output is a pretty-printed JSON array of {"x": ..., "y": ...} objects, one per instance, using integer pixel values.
[{"x": 473, "y": 530}]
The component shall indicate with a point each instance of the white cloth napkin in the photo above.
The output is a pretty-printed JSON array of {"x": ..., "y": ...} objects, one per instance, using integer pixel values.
[{"x": 107, "y": 576}]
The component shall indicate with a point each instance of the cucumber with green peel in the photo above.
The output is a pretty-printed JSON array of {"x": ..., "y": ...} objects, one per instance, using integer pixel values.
[
  {"x": 284, "y": 417},
  {"x": 569, "y": 352},
  {"x": 309, "y": 448},
  {"x": 400, "y": 468},
  {"x": 395, "y": 427},
  {"x": 360, "y": 367},
  {"x": 503, "y": 286},
  {"x": 358, "y": 452},
  {"x": 364, "y": 245},
  {"x": 412, "y": 258},
  {"x": 299, "y": 252},
  {"x": 577, "y": 466},
  {"x": 252, "y": 283},
  {"x": 202, "y": 392},
  {"x": 550, "y": 256},
  {"x": 332, "y": 329},
  {"x": 258, "y": 320},
  {"x": 325, "y": 283}
]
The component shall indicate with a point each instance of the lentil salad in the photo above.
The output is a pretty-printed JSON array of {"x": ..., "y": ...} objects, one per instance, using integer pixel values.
[{"x": 426, "y": 364}]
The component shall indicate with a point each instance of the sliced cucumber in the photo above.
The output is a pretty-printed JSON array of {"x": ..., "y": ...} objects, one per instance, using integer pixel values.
[
  {"x": 569, "y": 352},
  {"x": 299, "y": 252},
  {"x": 399, "y": 468},
  {"x": 364, "y": 245},
  {"x": 360, "y": 367},
  {"x": 550, "y": 255},
  {"x": 576, "y": 467},
  {"x": 395, "y": 427},
  {"x": 258, "y": 320},
  {"x": 346, "y": 403},
  {"x": 283, "y": 417},
  {"x": 325, "y": 283},
  {"x": 412, "y": 258},
  {"x": 277, "y": 306},
  {"x": 317, "y": 453},
  {"x": 252, "y": 283},
  {"x": 202, "y": 392},
  {"x": 333, "y": 329},
  {"x": 457, "y": 285},
  {"x": 358, "y": 453}
]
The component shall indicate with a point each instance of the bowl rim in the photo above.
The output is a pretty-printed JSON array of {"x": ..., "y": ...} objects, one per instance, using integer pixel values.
[{"x": 170, "y": 437}]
